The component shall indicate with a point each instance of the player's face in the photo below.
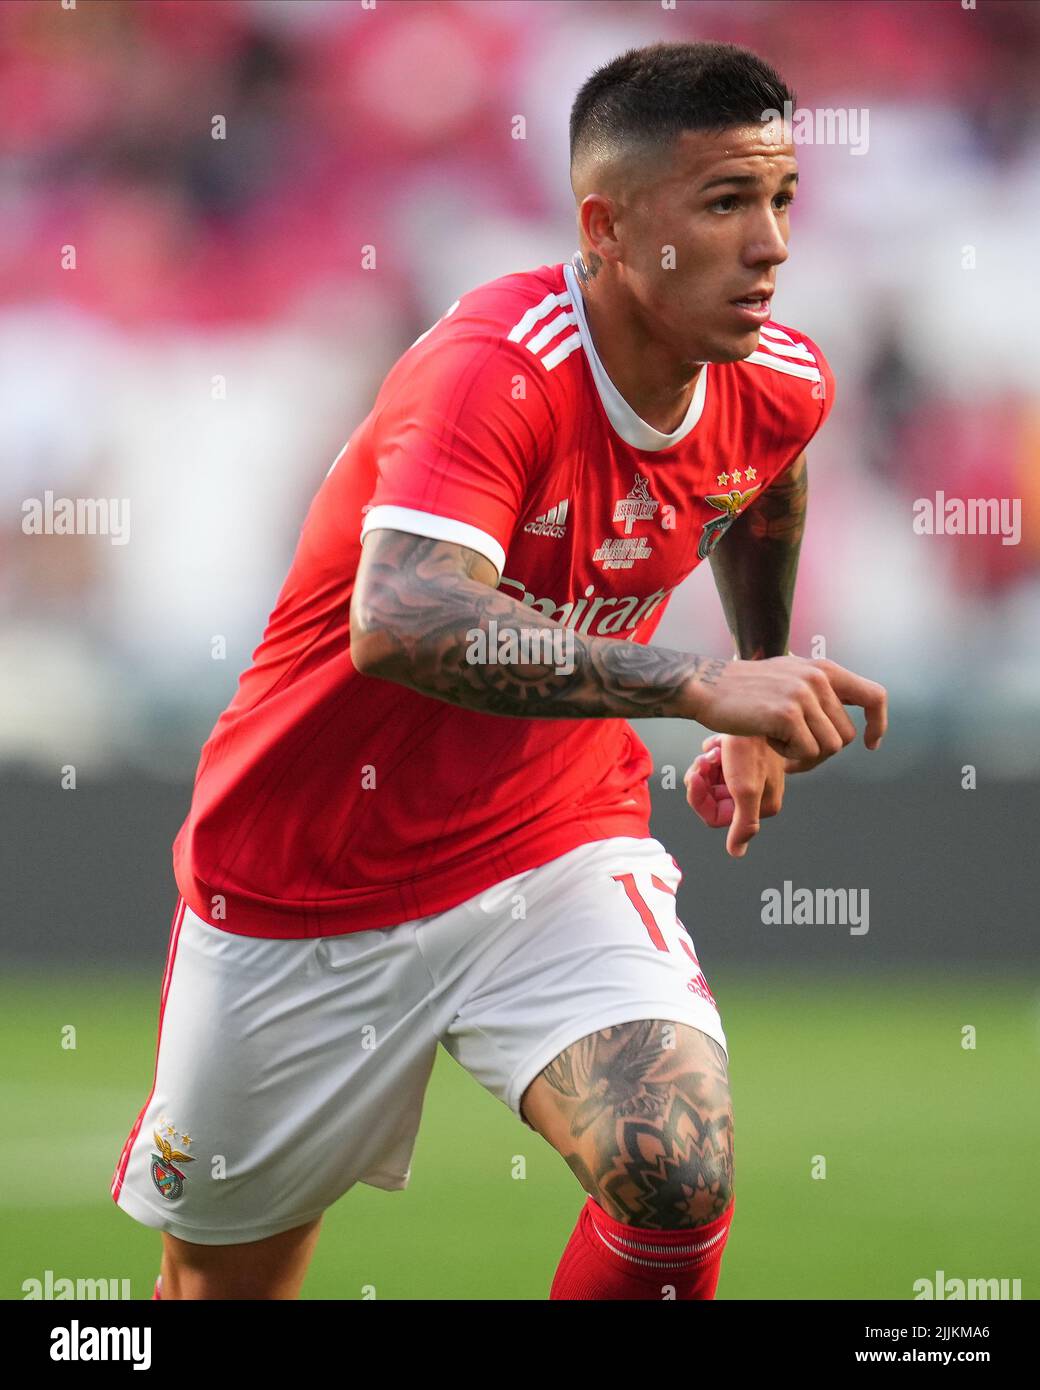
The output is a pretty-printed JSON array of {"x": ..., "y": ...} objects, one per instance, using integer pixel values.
[{"x": 723, "y": 204}]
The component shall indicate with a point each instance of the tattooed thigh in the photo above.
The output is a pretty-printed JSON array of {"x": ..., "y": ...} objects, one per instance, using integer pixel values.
[{"x": 643, "y": 1117}]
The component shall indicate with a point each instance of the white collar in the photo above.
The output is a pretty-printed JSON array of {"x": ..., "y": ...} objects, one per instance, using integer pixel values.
[{"x": 632, "y": 428}]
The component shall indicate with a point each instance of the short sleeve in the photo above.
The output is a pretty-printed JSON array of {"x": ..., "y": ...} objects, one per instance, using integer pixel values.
[
  {"x": 464, "y": 427},
  {"x": 823, "y": 390}
]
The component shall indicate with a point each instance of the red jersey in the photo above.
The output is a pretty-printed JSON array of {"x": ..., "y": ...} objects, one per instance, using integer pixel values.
[{"x": 327, "y": 801}]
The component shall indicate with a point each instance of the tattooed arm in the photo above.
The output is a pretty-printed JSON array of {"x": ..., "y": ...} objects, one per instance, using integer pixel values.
[
  {"x": 739, "y": 782},
  {"x": 418, "y": 603},
  {"x": 756, "y": 563}
]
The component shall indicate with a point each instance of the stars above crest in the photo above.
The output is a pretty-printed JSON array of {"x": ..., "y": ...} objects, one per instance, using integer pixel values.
[{"x": 724, "y": 479}]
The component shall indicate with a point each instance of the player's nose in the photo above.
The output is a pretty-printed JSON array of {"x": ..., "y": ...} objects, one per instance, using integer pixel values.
[{"x": 766, "y": 246}]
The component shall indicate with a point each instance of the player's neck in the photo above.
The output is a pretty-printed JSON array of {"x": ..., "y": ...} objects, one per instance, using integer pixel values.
[{"x": 657, "y": 387}]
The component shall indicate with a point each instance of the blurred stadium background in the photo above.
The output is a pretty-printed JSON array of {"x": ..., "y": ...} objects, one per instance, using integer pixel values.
[{"x": 215, "y": 344}]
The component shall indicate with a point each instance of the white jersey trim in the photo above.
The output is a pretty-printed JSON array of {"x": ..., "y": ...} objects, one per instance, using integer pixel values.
[
  {"x": 769, "y": 330},
  {"x": 438, "y": 528},
  {"x": 549, "y": 331},
  {"x": 787, "y": 350},
  {"x": 780, "y": 364},
  {"x": 534, "y": 315},
  {"x": 631, "y": 427}
]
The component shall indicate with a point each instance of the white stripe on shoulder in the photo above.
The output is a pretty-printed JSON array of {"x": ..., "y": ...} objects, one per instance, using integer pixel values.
[
  {"x": 551, "y": 330},
  {"x": 769, "y": 331},
  {"x": 779, "y": 364},
  {"x": 798, "y": 350},
  {"x": 523, "y": 325},
  {"x": 540, "y": 343},
  {"x": 559, "y": 354},
  {"x": 439, "y": 528}
]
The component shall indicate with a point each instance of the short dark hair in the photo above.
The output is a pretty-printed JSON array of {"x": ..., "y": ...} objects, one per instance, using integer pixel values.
[{"x": 653, "y": 94}]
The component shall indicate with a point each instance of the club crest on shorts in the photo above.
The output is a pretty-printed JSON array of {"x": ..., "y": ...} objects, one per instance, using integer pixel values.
[
  {"x": 730, "y": 505},
  {"x": 168, "y": 1179}
]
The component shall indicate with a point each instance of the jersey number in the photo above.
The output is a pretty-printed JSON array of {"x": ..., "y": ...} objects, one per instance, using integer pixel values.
[{"x": 628, "y": 883}]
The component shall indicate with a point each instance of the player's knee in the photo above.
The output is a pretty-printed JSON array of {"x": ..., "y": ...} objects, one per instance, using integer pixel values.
[
  {"x": 692, "y": 1193},
  {"x": 673, "y": 1169},
  {"x": 689, "y": 1212},
  {"x": 641, "y": 1113}
]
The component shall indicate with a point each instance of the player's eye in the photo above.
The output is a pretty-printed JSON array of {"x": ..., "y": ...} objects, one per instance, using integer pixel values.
[
  {"x": 724, "y": 204},
  {"x": 783, "y": 201}
]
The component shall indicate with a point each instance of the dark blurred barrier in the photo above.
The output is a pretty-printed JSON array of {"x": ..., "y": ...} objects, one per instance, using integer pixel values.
[{"x": 951, "y": 874}]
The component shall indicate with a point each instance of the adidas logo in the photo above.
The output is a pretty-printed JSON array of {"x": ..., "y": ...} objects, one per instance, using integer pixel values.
[{"x": 552, "y": 523}]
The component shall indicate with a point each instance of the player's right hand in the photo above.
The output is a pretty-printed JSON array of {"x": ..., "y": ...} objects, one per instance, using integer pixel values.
[{"x": 794, "y": 703}]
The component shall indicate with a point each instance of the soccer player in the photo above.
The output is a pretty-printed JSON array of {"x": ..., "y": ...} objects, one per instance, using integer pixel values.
[{"x": 423, "y": 818}]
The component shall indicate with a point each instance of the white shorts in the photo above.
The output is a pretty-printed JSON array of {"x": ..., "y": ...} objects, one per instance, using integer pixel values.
[{"x": 287, "y": 1071}]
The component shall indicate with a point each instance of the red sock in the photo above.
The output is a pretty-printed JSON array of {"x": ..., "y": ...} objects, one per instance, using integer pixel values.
[
  {"x": 606, "y": 1259},
  {"x": 157, "y": 1291}
]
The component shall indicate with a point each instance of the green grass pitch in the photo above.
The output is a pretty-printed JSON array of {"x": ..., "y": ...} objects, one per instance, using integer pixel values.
[{"x": 931, "y": 1149}]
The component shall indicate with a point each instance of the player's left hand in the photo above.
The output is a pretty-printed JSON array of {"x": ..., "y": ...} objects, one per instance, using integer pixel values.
[{"x": 736, "y": 781}]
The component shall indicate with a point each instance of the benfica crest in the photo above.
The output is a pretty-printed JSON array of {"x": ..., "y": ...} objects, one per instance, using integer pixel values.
[
  {"x": 730, "y": 505},
  {"x": 168, "y": 1179}
]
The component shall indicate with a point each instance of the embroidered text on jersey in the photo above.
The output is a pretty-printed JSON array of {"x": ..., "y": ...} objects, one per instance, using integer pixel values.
[
  {"x": 585, "y": 613},
  {"x": 637, "y": 506},
  {"x": 621, "y": 552}
]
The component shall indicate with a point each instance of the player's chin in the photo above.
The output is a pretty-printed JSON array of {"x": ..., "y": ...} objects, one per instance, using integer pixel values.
[{"x": 732, "y": 345}]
